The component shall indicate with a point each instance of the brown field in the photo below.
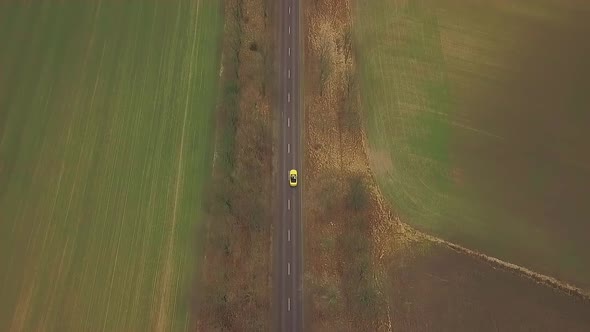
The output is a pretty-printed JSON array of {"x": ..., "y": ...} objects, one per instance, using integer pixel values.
[
  {"x": 365, "y": 271},
  {"x": 434, "y": 288},
  {"x": 233, "y": 292}
]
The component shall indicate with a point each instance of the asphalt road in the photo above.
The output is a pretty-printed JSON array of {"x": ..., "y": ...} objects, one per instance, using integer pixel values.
[{"x": 287, "y": 267}]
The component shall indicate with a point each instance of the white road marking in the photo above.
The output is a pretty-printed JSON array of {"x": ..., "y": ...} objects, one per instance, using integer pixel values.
[
  {"x": 289, "y": 235},
  {"x": 289, "y": 51},
  {"x": 288, "y": 97},
  {"x": 289, "y": 148},
  {"x": 289, "y": 10},
  {"x": 289, "y": 29},
  {"x": 289, "y": 73},
  {"x": 288, "y": 268},
  {"x": 288, "y": 122},
  {"x": 288, "y": 304},
  {"x": 289, "y": 204}
]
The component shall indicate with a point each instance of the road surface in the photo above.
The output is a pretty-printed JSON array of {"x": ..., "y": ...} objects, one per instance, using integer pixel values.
[{"x": 287, "y": 268}]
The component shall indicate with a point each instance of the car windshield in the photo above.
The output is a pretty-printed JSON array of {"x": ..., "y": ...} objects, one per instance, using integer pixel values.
[{"x": 292, "y": 178}]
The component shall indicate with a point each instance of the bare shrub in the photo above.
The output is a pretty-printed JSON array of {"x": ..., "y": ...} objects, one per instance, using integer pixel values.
[{"x": 358, "y": 193}]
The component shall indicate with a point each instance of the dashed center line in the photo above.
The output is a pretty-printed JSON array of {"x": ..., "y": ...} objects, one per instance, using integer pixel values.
[{"x": 289, "y": 151}]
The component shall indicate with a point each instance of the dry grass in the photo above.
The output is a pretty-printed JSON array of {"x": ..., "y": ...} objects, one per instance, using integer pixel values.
[{"x": 341, "y": 293}]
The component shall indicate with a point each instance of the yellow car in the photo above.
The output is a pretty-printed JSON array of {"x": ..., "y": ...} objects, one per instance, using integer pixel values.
[{"x": 293, "y": 178}]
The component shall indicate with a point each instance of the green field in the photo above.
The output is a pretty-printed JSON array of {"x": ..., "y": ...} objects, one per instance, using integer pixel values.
[
  {"x": 105, "y": 131},
  {"x": 477, "y": 116}
]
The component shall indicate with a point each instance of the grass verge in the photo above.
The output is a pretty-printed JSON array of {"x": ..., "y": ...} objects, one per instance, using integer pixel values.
[{"x": 233, "y": 291}]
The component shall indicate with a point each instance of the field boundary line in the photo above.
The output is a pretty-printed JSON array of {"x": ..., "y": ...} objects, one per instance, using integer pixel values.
[
  {"x": 414, "y": 234},
  {"x": 521, "y": 271}
]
